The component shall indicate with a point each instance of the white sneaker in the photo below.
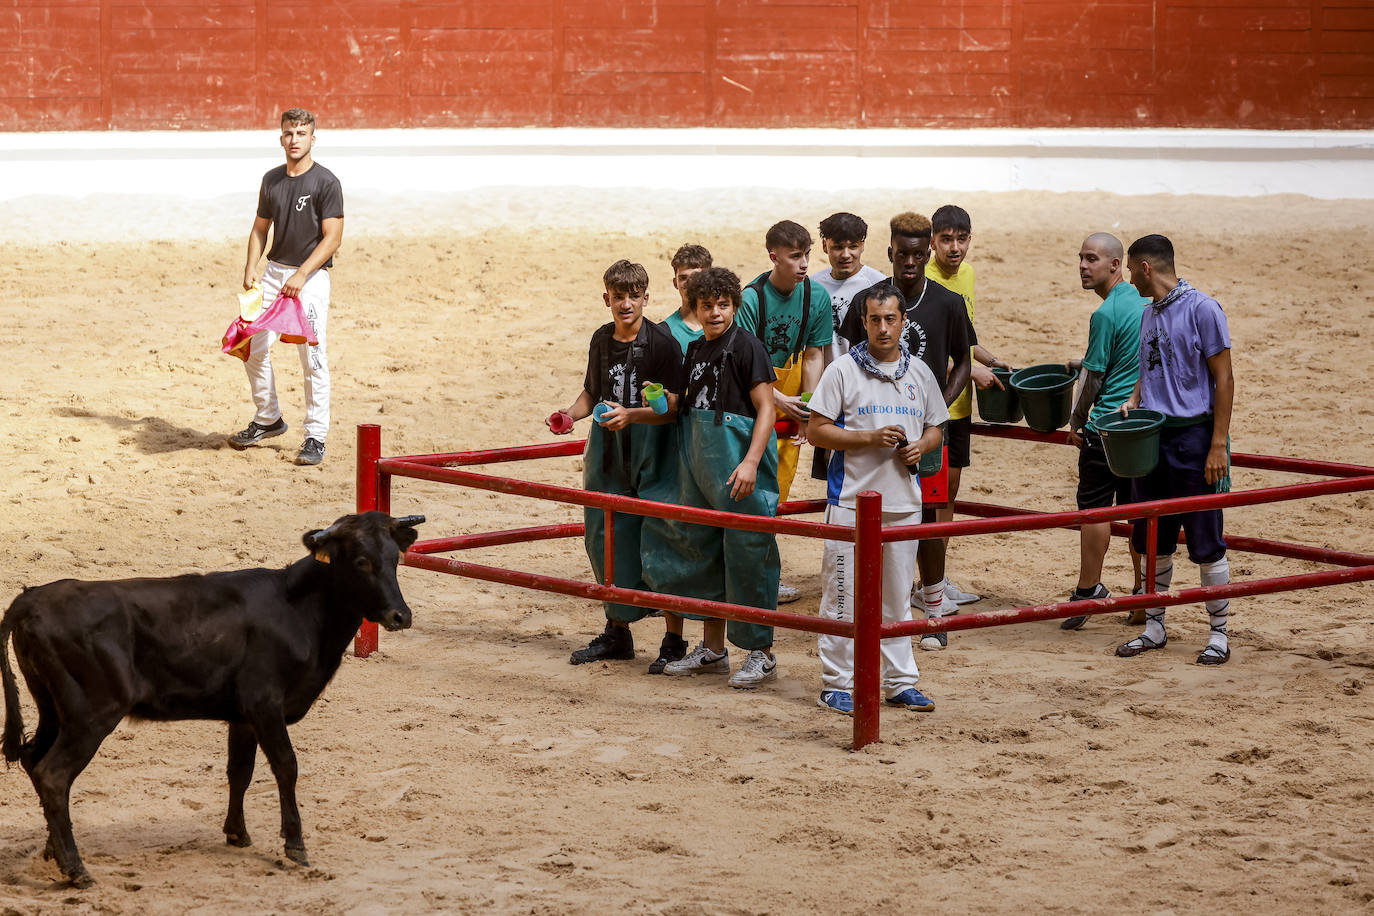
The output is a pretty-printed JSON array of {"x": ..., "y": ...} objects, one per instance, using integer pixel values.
[
  {"x": 947, "y": 606},
  {"x": 757, "y": 668},
  {"x": 700, "y": 660},
  {"x": 787, "y": 594},
  {"x": 934, "y": 642},
  {"x": 959, "y": 596}
]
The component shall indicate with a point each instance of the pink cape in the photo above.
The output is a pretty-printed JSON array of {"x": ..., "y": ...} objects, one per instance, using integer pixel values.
[{"x": 285, "y": 316}]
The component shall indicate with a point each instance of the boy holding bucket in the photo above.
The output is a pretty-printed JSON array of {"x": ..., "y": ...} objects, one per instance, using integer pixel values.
[
  {"x": 1108, "y": 373},
  {"x": 878, "y": 410},
  {"x": 951, "y": 231},
  {"x": 728, "y": 461},
  {"x": 1185, "y": 373},
  {"x": 626, "y": 452}
]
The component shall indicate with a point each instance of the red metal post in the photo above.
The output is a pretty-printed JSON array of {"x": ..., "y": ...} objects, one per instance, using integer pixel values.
[
  {"x": 369, "y": 451},
  {"x": 868, "y": 616},
  {"x": 608, "y": 563}
]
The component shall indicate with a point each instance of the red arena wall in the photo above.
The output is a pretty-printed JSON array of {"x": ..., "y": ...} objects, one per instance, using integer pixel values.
[{"x": 150, "y": 64}]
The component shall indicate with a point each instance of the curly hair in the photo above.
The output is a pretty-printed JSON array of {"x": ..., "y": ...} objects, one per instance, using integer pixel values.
[
  {"x": 712, "y": 283},
  {"x": 910, "y": 225},
  {"x": 297, "y": 116},
  {"x": 626, "y": 277}
]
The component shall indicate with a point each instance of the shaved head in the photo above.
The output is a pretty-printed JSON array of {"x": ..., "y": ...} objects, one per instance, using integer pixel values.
[
  {"x": 1106, "y": 243},
  {"x": 1099, "y": 262}
]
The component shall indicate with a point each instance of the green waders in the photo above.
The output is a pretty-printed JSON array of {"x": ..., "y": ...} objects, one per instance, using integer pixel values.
[
  {"x": 636, "y": 461},
  {"x": 720, "y": 564}
]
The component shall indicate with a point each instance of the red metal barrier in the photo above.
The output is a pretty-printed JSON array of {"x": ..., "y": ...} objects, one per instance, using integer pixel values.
[{"x": 868, "y": 629}]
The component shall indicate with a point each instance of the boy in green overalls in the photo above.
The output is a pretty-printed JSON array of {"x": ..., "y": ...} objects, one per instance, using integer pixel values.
[
  {"x": 626, "y": 452},
  {"x": 728, "y": 462}
]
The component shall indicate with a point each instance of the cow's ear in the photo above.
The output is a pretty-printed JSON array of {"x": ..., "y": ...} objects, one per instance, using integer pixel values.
[
  {"x": 317, "y": 542},
  {"x": 405, "y": 537}
]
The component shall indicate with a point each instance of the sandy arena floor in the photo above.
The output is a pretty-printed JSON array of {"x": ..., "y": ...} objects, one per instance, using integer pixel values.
[{"x": 468, "y": 767}]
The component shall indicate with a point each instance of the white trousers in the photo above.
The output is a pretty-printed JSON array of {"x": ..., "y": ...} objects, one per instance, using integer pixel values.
[
  {"x": 314, "y": 360},
  {"x": 837, "y": 603}
]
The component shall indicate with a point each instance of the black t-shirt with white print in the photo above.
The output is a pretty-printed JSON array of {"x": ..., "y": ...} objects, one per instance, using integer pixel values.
[
  {"x": 621, "y": 380},
  {"x": 937, "y": 326},
  {"x": 297, "y": 207},
  {"x": 708, "y": 390}
]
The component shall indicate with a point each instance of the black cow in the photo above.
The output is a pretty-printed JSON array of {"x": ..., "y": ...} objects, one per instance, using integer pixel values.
[{"x": 253, "y": 648}]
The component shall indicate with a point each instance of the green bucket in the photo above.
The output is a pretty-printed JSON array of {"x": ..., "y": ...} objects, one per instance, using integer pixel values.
[
  {"x": 999, "y": 405},
  {"x": 1131, "y": 442},
  {"x": 933, "y": 460},
  {"x": 1046, "y": 395}
]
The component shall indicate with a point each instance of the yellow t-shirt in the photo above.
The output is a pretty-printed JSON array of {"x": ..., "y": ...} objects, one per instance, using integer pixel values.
[{"x": 961, "y": 282}]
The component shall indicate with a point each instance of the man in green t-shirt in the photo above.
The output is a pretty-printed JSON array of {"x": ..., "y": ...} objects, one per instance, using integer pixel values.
[
  {"x": 795, "y": 324},
  {"x": 1109, "y": 369}
]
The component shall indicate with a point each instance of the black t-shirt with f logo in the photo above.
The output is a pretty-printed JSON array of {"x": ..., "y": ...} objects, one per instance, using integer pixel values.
[{"x": 296, "y": 206}]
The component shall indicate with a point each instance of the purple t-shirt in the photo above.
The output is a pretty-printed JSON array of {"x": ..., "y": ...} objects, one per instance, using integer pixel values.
[{"x": 1178, "y": 335}]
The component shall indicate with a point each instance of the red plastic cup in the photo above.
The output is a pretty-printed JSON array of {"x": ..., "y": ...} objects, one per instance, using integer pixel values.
[
  {"x": 786, "y": 428},
  {"x": 560, "y": 422}
]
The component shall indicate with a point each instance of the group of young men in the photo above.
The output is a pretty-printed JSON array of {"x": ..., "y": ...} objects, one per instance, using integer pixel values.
[{"x": 875, "y": 372}]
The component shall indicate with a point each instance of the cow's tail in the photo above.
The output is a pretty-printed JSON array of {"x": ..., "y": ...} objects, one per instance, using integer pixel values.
[{"x": 14, "y": 720}]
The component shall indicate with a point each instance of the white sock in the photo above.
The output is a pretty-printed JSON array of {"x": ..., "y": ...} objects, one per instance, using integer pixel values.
[
  {"x": 933, "y": 597},
  {"x": 1154, "y": 617},
  {"x": 1218, "y": 573}
]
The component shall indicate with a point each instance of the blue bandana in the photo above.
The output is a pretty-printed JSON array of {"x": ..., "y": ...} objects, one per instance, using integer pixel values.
[
  {"x": 867, "y": 363},
  {"x": 1182, "y": 287}
]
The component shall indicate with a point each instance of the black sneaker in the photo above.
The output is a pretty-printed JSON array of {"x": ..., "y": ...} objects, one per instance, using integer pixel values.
[
  {"x": 615, "y": 644},
  {"x": 673, "y": 648},
  {"x": 255, "y": 432},
  {"x": 1075, "y": 623},
  {"x": 312, "y": 452}
]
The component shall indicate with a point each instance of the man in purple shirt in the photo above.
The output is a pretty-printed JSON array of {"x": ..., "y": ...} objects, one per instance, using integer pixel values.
[{"x": 1185, "y": 373}]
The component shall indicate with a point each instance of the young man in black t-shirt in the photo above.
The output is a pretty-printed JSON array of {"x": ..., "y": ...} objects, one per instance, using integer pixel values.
[
  {"x": 729, "y": 461},
  {"x": 629, "y": 450},
  {"x": 940, "y": 334},
  {"x": 302, "y": 202}
]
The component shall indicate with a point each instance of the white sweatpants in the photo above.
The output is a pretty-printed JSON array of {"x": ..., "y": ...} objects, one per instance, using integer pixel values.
[
  {"x": 314, "y": 360},
  {"x": 837, "y": 603}
]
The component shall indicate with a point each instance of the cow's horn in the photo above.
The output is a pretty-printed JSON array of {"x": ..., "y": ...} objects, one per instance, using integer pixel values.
[
  {"x": 319, "y": 537},
  {"x": 410, "y": 521}
]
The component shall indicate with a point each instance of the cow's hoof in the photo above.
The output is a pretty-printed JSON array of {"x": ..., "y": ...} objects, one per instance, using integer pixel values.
[
  {"x": 238, "y": 839},
  {"x": 81, "y": 880},
  {"x": 296, "y": 853}
]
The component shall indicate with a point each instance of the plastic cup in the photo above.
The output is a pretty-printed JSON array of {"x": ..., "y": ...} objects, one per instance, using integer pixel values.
[
  {"x": 786, "y": 428},
  {"x": 655, "y": 398},
  {"x": 559, "y": 422},
  {"x": 600, "y": 410}
]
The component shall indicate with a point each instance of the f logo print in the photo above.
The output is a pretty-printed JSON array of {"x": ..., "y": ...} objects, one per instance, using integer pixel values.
[{"x": 300, "y": 202}]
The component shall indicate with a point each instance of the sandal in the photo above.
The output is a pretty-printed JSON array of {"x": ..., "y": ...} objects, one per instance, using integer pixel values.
[
  {"x": 1214, "y": 656},
  {"x": 1140, "y": 645}
]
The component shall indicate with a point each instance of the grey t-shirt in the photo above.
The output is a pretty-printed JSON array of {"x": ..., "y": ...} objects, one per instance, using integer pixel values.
[{"x": 296, "y": 206}]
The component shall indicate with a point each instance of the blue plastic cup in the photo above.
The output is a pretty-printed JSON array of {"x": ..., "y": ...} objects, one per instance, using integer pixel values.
[{"x": 600, "y": 410}]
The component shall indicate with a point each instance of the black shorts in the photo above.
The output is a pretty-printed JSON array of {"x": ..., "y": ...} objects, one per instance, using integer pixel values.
[
  {"x": 1098, "y": 487},
  {"x": 957, "y": 436}
]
